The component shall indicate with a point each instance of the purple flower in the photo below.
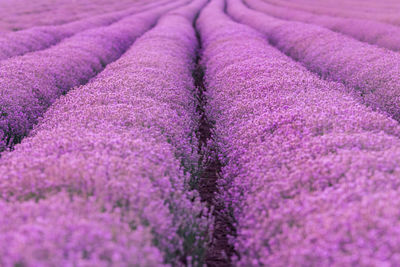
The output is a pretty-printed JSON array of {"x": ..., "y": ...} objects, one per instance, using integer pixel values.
[{"x": 311, "y": 174}]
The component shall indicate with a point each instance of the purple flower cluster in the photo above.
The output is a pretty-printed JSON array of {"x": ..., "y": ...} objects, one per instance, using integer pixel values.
[
  {"x": 311, "y": 174},
  {"x": 29, "y": 84},
  {"x": 18, "y": 15},
  {"x": 373, "y": 32},
  {"x": 109, "y": 123},
  {"x": 73, "y": 231},
  {"x": 367, "y": 69},
  {"x": 39, "y": 38},
  {"x": 100, "y": 180},
  {"x": 369, "y": 10}
]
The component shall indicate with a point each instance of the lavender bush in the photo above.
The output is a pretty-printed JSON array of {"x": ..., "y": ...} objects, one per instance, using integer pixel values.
[
  {"x": 374, "y": 11},
  {"x": 103, "y": 169},
  {"x": 31, "y": 83},
  {"x": 373, "y": 32},
  {"x": 181, "y": 133},
  {"x": 39, "y": 38},
  {"x": 19, "y": 15},
  {"x": 371, "y": 71},
  {"x": 310, "y": 174}
]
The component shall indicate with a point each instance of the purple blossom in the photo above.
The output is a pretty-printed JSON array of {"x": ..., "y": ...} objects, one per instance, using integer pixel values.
[
  {"x": 310, "y": 173},
  {"x": 39, "y": 38},
  {"x": 110, "y": 122},
  {"x": 381, "y": 11},
  {"x": 29, "y": 84},
  {"x": 373, "y": 32},
  {"x": 19, "y": 15},
  {"x": 102, "y": 181},
  {"x": 372, "y": 72}
]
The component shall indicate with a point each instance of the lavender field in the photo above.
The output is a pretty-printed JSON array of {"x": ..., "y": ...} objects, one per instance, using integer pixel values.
[{"x": 199, "y": 133}]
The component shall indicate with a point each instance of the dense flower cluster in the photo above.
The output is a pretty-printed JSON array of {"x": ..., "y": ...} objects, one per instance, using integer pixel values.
[
  {"x": 39, "y": 38},
  {"x": 311, "y": 174},
  {"x": 18, "y": 15},
  {"x": 373, "y": 72},
  {"x": 29, "y": 84},
  {"x": 371, "y": 10},
  {"x": 289, "y": 131},
  {"x": 373, "y": 32},
  {"x": 100, "y": 180},
  {"x": 73, "y": 231}
]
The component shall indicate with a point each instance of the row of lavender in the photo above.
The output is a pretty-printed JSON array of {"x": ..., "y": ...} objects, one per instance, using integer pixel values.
[
  {"x": 18, "y": 15},
  {"x": 376, "y": 11},
  {"x": 39, "y": 38},
  {"x": 311, "y": 174},
  {"x": 103, "y": 179},
  {"x": 368, "y": 6},
  {"x": 371, "y": 72},
  {"x": 373, "y": 32},
  {"x": 29, "y": 84}
]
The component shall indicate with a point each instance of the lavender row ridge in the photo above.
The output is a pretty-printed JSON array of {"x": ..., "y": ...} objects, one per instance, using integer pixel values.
[
  {"x": 311, "y": 174},
  {"x": 19, "y": 15},
  {"x": 337, "y": 11},
  {"x": 31, "y": 83},
  {"x": 107, "y": 169},
  {"x": 39, "y": 38},
  {"x": 372, "y": 32},
  {"x": 371, "y": 72}
]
